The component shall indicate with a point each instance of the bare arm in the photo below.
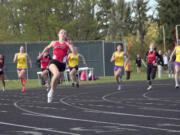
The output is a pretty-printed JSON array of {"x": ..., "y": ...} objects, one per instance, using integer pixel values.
[
  {"x": 112, "y": 58},
  {"x": 47, "y": 48},
  {"x": 30, "y": 61},
  {"x": 170, "y": 59},
  {"x": 83, "y": 59},
  {"x": 71, "y": 47},
  {"x": 68, "y": 56},
  {"x": 15, "y": 58},
  {"x": 39, "y": 57}
]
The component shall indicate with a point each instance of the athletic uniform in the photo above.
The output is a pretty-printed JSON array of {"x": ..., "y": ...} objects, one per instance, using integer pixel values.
[
  {"x": 177, "y": 61},
  {"x": 21, "y": 61},
  {"x": 119, "y": 61},
  {"x": 45, "y": 62},
  {"x": 1, "y": 66},
  {"x": 73, "y": 61},
  {"x": 151, "y": 60},
  {"x": 59, "y": 58}
]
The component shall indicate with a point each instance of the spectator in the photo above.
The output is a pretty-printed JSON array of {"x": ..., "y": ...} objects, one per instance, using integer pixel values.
[
  {"x": 128, "y": 68},
  {"x": 138, "y": 63},
  {"x": 160, "y": 64},
  {"x": 165, "y": 59}
]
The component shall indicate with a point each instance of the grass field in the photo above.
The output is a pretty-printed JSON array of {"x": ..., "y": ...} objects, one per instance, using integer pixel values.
[{"x": 15, "y": 84}]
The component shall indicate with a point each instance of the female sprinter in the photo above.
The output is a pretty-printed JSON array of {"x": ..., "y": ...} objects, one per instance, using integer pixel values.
[
  {"x": 1, "y": 71},
  {"x": 118, "y": 57},
  {"x": 44, "y": 60},
  {"x": 58, "y": 63},
  {"x": 151, "y": 58},
  {"x": 176, "y": 52},
  {"x": 21, "y": 59},
  {"x": 73, "y": 61}
]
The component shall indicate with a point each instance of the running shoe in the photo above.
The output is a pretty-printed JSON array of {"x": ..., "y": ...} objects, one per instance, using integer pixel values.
[
  {"x": 72, "y": 84},
  {"x": 150, "y": 87},
  {"x": 177, "y": 86},
  {"x": 23, "y": 89},
  {"x": 77, "y": 85},
  {"x": 3, "y": 89},
  {"x": 119, "y": 87},
  {"x": 50, "y": 96}
]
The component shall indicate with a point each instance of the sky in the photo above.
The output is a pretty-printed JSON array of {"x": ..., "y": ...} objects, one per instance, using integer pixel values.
[{"x": 152, "y": 4}]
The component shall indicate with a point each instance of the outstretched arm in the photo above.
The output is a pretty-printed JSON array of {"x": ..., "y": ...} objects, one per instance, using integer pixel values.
[
  {"x": 83, "y": 59},
  {"x": 47, "y": 48},
  {"x": 15, "y": 58},
  {"x": 170, "y": 59},
  {"x": 30, "y": 61},
  {"x": 112, "y": 58}
]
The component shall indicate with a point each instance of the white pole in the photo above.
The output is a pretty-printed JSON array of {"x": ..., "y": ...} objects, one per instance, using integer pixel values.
[
  {"x": 164, "y": 39},
  {"x": 103, "y": 55}
]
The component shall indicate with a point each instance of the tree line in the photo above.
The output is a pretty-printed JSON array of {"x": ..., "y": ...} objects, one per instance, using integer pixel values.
[{"x": 40, "y": 20}]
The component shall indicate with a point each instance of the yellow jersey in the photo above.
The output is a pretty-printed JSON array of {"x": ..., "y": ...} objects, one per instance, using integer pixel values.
[
  {"x": 21, "y": 61},
  {"x": 119, "y": 59},
  {"x": 178, "y": 54},
  {"x": 73, "y": 60}
]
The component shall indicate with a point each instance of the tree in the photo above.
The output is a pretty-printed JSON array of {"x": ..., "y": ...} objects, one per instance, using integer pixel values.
[
  {"x": 169, "y": 17},
  {"x": 120, "y": 22},
  {"x": 141, "y": 20}
]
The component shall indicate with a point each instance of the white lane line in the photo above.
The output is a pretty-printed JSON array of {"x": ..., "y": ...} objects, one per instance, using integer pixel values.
[
  {"x": 142, "y": 107},
  {"x": 114, "y": 113},
  {"x": 36, "y": 128},
  {"x": 93, "y": 121}
]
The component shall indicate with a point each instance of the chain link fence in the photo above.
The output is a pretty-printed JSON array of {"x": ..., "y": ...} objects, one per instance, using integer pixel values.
[{"x": 96, "y": 53}]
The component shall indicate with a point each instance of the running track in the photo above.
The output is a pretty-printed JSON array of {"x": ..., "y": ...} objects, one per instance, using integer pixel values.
[{"x": 93, "y": 110}]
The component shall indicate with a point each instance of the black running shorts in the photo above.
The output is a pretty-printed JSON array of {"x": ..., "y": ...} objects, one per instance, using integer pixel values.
[{"x": 60, "y": 65}]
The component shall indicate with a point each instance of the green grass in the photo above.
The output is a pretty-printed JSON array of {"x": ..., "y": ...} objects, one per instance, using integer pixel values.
[{"x": 15, "y": 84}]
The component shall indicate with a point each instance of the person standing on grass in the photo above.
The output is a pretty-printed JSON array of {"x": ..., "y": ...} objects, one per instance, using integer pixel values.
[
  {"x": 118, "y": 59},
  {"x": 160, "y": 63},
  {"x": 128, "y": 68},
  {"x": 176, "y": 52},
  {"x": 21, "y": 59},
  {"x": 151, "y": 58},
  {"x": 73, "y": 61},
  {"x": 44, "y": 62},
  {"x": 138, "y": 63},
  {"x": 1, "y": 71},
  {"x": 58, "y": 63}
]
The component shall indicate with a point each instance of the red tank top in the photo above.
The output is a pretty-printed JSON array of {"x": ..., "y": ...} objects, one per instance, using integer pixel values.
[
  {"x": 45, "y": 62},
  {"x": 151, "y": 57},
  {"x": 1, "y": 65},
  {"x": 60, "y": 51}
]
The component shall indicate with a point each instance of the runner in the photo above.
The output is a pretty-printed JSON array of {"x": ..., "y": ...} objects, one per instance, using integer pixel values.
[
  {"x": 44, "y": 60},
  {"x": 151, "y": 58},
  {"x": 118, "y": 58},
  {"x": 73, "y": 61},
  {"x": 176, "y": 52},
  {"x": 58, "y": 63},
  {"x": 21, "y": 59},
  {"x": 1, "y": 71}
]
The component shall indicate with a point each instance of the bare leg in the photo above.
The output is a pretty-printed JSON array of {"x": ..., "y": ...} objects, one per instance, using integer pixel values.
[
  {"x": 3, "y": 81},
  {"x": 22, "y": 78},
  {"x": 56, "y": 74},
  {"x": 44, "y": 75},
  {"x": 117, "y": 75},
  {"x": 73, "y": 75},
  {"x": 176, "y": 75}
]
